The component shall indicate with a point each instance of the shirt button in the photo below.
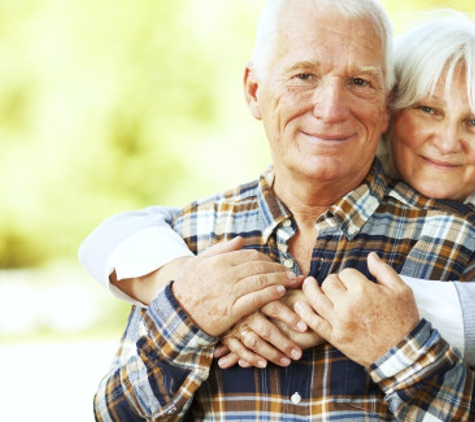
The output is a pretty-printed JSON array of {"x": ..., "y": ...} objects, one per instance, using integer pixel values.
[
  {"x": 287, "y": 223},
  {"x": 296, "y": 399},
  {"x": 289, "y": 263}
]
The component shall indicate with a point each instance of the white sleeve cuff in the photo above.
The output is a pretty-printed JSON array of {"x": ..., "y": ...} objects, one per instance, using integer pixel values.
[
  {"x": 143, "y": 253},
  {"x": 438, "y": 302}
]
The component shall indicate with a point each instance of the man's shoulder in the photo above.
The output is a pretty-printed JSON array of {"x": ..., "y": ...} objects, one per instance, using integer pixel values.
[
  {"x": 244, "y": 192},
  {"x": 225, "y": 205},
  {"x": 220, "y": 217}
]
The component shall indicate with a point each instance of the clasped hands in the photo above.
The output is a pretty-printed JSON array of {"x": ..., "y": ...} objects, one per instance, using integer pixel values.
[{"x": 263, "y": 313}]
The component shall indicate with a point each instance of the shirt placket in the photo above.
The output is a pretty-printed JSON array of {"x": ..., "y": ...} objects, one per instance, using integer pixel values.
[{"x": 326, "y": 245}]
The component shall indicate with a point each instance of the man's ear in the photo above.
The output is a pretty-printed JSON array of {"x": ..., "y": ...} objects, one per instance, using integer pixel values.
[{"x": 251, "y": 86}]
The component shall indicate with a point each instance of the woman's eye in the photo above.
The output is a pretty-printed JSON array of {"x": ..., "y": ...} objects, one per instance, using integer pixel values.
[
  {"x": 427, "y": 109},
  {"x": 471, "y": 122}
]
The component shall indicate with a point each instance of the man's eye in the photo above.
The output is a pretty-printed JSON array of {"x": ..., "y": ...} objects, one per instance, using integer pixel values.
[
  {"x": 360, "y": 82},
  {"x": 471, "y": 122},
  {"x": 304, "y": 76}
]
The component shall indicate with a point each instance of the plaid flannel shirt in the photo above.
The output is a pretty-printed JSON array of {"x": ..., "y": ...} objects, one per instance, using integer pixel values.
[{"x": 164, "y": 368}]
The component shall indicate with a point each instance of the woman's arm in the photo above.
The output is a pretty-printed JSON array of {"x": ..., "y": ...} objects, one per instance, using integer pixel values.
[{"x": 131, "y": 245}]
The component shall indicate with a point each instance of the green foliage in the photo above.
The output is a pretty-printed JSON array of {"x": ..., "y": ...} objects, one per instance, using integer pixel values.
[
  {"x": 107, "y": 106},
  {"x": 98, "y": 103}
]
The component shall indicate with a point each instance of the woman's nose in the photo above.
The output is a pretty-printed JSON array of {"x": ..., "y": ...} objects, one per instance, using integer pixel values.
[{"x": 447, "y": 139}]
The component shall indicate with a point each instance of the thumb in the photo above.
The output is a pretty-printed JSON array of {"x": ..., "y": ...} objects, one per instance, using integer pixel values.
[
  {"x": 223, "y": 247},
  {"x": 385, "y": 274}
]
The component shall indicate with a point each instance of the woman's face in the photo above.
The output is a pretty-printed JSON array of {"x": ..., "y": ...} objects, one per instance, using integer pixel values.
[{"x": 433, "y": 142}]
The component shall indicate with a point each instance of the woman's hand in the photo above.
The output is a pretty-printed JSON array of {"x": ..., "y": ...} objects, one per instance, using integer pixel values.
[{"x": 274, "y": 334}]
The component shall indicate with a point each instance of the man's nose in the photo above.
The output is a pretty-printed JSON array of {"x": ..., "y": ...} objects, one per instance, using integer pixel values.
[{"x": 330, "y": 102}]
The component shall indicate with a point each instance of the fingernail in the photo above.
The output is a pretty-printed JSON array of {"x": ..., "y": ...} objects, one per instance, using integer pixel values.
[
  {"x": 374, "y": 255},
  {"x": 296, "y": 354},
  {"x": 281, "y": 289},
  {"x": 285, "y": 361},
  {"x": 222, "y": 362},
  {"x": 261, "y": 363},
  {"x": 292, "y": 276},
  {"x": 298, "y": 306},
  {"x": 301, "y": 326}
]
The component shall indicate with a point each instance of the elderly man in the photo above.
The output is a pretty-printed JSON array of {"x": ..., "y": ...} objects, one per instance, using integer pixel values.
[{"x": 319, "y": 81}]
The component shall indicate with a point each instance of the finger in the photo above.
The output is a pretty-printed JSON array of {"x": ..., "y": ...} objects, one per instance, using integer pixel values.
[
  {"x": 253, "y": 299},
  {"x": 228, "y": 361},
  {"x": 241, "y": 353},
  {"x": 265, "y": 339},
  {"x": 333, "y": 284},
  {"x": 244, "y": 364},
  {"x": 385, "y": 274},
  {"x": 318, "y": 324},
  {"x": 220, "y": 350},
  {"x": 350, "y": 277},
  {"x": 315, "y": 295},
  {"x": 263, "y": 349},
  {"x": 281, "y": 312},
  {"x": 223, "y": 247},
  {"x": 258, "y": 272},
  {"x": 256, "y": 282}
]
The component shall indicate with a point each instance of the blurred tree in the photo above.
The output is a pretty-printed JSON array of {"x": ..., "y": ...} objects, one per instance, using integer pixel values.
[
  {"x": 98, "y": 103},
  {"x": 107, "y": 106}
]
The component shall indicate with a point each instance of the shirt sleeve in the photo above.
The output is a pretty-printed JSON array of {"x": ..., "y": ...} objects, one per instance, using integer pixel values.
[
  {"x": 466, "y": 293},
  {"x": 133, "y": 244},
  {"x": 424, "y": 379},
  {"x": 162, "y": 361},
  {"x": 439, "y": 303}
]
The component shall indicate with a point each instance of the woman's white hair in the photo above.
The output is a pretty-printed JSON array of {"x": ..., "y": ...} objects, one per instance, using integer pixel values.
[
  {"x": 441, "y": 44},
  {"x": 444, "y": 41},
  {"x": 267, "y": 33}
]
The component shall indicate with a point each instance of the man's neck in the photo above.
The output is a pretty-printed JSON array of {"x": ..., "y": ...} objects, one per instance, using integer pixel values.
[{"x": 306, "y": 202}]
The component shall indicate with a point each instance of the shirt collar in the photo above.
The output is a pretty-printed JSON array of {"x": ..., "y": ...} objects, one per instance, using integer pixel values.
[
  {"x": 350, "y": 213},
  {"x": 355, "y": 208},
  {"x": 273, "y": 211}
]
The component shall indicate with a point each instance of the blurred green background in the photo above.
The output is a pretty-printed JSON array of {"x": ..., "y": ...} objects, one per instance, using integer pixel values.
[{"x": 109, "y": 106}]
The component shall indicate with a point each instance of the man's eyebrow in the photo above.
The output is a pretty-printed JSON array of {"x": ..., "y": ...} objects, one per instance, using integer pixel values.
[
  {"x": 304, "y": 64},
  {"x": 370, "y": 70}
]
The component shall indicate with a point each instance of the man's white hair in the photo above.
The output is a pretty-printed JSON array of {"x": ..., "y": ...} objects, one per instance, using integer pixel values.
[{"x": 267, "y": 34}]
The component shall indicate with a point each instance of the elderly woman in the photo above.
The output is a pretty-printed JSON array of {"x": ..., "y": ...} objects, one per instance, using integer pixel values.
[{"x": 430, "y": 145}]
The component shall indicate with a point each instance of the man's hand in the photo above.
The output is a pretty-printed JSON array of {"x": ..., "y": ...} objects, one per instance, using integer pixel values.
[
  {"x": 364, "y": 320},
  {"x": 275, "y": 334},
  {"x": 224, "y": 284}
]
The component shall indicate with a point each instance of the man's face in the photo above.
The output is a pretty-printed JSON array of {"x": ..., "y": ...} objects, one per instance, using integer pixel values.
[{"x": 322, "y": 98}]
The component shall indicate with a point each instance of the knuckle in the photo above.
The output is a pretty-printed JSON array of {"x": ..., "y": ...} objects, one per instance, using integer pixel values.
[
  {"x": 254, "y": 255},
  {"x": 272, "y": 309},
  {"x": 260, "y": 281},
  {"x": 250, "y": 340},
  {"x": 265, "y": 330}
]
